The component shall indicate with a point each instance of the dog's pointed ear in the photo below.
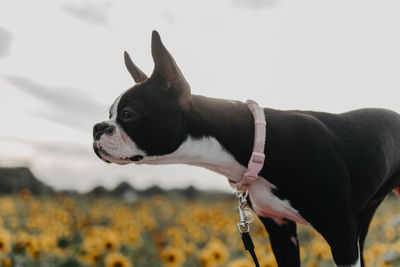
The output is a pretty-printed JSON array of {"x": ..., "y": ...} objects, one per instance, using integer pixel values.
[
  {"x": 136, "y": 73},
  {"x": 165, "y": 67}
]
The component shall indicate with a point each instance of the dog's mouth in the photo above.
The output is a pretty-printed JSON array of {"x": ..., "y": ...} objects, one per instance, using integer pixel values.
[
  {"x": 99, "y": 151},
  {"x": 136, "y": 158}
]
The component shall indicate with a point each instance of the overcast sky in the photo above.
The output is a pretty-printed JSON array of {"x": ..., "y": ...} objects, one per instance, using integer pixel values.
[{"x": 61, "y": 67}]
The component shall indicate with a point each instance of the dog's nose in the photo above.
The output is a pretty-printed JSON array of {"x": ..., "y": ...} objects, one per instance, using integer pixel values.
[{"x": 101, "y": 128}]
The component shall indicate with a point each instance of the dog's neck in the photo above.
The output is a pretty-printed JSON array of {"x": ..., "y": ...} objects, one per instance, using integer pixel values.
[
  {"x": 220, "y": 137},
  {"x": 229, "y": 122}
]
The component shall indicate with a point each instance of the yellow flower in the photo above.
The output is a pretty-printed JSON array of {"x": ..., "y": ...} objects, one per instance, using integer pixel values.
[
  {"x": 22, "y": 241},
  {"x": 218, "y": 252},
  {"x": 197, "y": 234},
  {"x": 116, "y": 260},
  {"x": 5, "y": 241},
  {"x": 172, "y": 257},
  {"x": 34, "y": 247},
  {"x": 6, "y": 262},
  {"x": 175, "y": 236},
  {"x": 244, "y": 262},
  {"x": 91, "y": 257},
  {"x": 206, "y": 258},
  {"x": 132, "y": 236},
  {"x": 101, "y": 239},
  {"x": 110, "y": 242}
]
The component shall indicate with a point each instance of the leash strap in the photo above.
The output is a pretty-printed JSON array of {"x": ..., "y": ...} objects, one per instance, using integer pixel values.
[
  {"x": 257, "y": 158},
  {"x": 249, "y": 246}
]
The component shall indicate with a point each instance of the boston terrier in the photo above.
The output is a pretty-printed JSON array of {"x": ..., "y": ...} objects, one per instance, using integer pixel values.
[{"x": 328, "y": 171}]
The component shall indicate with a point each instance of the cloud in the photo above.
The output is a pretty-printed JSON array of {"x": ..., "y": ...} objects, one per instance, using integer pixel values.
[
  {"x": 255, "y": 4},
  {"x": 5, "y": 42},
  {"x": 92, "y": 11},
  {"x": 63, "y": 105}
]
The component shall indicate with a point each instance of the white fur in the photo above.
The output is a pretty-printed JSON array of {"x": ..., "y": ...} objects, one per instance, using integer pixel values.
[
  {"x": 356, "y": 264},
  {"x": 118, "y": 147},
  {"x": 358, "y": 261},
  {"x": 207, "y": 152},
  {"x": 114, "y": 108}
]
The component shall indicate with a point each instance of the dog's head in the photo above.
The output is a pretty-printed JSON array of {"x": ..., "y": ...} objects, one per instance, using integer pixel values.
[{"x": 149, "y": 118}]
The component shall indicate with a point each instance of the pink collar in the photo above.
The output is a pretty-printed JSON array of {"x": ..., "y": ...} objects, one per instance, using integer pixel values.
[{"x": 257, "y": 158}]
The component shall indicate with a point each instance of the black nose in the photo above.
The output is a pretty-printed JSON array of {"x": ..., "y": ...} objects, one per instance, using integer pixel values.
[{"x": 101, "y": 128}]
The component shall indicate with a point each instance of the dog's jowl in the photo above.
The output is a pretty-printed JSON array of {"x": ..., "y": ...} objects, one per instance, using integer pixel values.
[{"x": 328, "y": 171}]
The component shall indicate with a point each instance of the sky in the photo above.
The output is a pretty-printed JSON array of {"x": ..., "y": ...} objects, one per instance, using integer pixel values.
[{"x": 61, "y": 67}]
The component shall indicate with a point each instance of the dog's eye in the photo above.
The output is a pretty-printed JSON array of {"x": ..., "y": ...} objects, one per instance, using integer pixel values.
[{"x": 127, "y": 115}]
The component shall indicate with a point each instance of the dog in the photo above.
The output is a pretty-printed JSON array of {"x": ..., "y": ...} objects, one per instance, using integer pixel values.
[{"x": 328, "y": 171}]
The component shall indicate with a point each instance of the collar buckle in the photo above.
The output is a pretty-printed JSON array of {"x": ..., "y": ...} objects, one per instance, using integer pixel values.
[{"x": 255, "y": 165}]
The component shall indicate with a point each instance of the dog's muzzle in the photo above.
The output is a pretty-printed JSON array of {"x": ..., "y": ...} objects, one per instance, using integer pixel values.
[{"x": 112, "y": 145}]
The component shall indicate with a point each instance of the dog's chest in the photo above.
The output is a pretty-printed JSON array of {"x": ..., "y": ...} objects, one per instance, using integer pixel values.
[
  {"x": 207, "y": 152},
  {"x": 266, "y": 204}
]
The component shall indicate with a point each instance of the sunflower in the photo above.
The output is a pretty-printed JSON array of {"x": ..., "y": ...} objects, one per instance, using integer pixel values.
[
  {"x": 6, "y": 262},
  {"x": 218, "y": 252},
  {"x": 22, "y": 241},
  {"x": 116, "y": 260},
  {"x": 175, "y": 236},
  {"x": 197, "y": 234},
  {"x": 90, "y": 257},
  {"x": 110, "y": 243},
  {"x": 172, "y": 257},
  {"x": 206, "y": 258},
  {"x": 132, "y": 235},
  {"x": 5, "y": 241},
  {"x": 34, "y": 248}
]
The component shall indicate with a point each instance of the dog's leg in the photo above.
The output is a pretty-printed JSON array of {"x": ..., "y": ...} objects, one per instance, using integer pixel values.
[
  {"x": 364, "y": 219},
  {"x": 344, "y": 242},
  {"x": 283, "y": 238}
]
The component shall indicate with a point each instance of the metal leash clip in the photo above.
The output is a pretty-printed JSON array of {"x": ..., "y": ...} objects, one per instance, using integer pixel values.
[{"x": 245, "y": 216}]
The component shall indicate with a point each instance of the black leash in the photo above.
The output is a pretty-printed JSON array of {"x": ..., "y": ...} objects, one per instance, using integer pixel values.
[
  {"x": 246, "y": 216},
  {"x": 249, "y": 246}
]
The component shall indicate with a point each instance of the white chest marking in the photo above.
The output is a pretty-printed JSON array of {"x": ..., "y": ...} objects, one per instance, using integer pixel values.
[{"x": 207, "y": 152}]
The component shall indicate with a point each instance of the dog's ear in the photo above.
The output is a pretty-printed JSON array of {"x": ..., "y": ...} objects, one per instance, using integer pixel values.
[
  {"x": 136, "y": 73},
  {"x": 165, "y": 67}
]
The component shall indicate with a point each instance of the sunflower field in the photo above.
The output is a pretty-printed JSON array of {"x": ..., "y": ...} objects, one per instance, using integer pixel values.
[{"x": 161, "y": 230}]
